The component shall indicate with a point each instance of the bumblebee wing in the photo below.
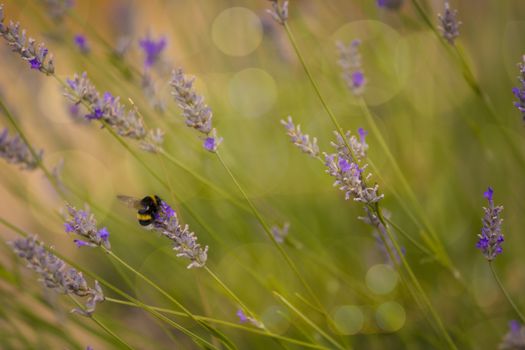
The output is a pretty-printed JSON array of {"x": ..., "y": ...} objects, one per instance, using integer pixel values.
[{"x": 130, "y": 201}]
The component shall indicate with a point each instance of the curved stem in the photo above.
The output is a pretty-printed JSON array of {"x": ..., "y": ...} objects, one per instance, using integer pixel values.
[
  {"x": 505, "y": 293},
  {"x": 103, "y": 326}
]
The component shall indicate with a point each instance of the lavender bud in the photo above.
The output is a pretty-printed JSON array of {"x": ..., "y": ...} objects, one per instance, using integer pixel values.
[
  {"x": 55, "y": 274},
  {"x": 519, "y": 92},
  {"x": 390, "y": 4},
  {"x": 243, "y": 318},
  {"x": 84, "y": 224},
  {"x": 359, "y": 147},
  {"x": 81, "y": 43},
  {"x": 15, "y": 151},
  {"x": 299, "y": 139},
  {"x": 491, "y": 238},
  {"x": 350, "y": 62},
  {"x": 152, "y": 49},
  {"x": 37, "y": 56},
  {"x": 212, "y": 141},
  {"x": 185, "y": 241},
  {"x": 449, "y": 24},
  {"x": 280, "y": 233},
  {"x": 279, "y": 13},
  {"x": 126, "y": 123},
  {"x": 515, "y": 337}
]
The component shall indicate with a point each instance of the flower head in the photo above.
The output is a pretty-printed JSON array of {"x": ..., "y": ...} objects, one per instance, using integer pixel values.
[
  {"x": 280, "y": 233},
  {"x": 515, "y": 337},
  {"x": 58, "y": 8},
  {"x": 350, "y": 62},
  {"x": 491, "y": 238},
  {"x": 196, "y": 112},
  {"x": 449, "y": 24},
  {"x": 81, "y": 43},
  {"x": 185, "y": 242},
  {"x": 301, "y": 140},
  {"x": 55, "y": 274},
  {"x": 519, "y": 92},
  {"x": 15, "y": 151},
  {"x": 279, "y": 12},
  {"x": 84, "y": 224},
  {"x": 37, "y": 56},
  {"x": 152, "y": 49},
  {"x": 390, "y": 4},
  {"x": 126, "y": 123}
]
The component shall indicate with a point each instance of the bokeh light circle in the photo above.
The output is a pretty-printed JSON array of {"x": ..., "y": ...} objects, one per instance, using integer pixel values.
[
  {"x": 348, "y": 319},
  {"x": 390, "y": 316},
  {"x": 252, "y": 92},
  {"x": 381, "y": 279},
  {"x": 237, "y": 31}
]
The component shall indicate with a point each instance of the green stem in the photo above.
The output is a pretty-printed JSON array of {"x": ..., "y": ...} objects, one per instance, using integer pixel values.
[
  {"x": 103, "y": 326},
  {"x": 224, "y": 323},
  {"x": 505, "y": 293}
]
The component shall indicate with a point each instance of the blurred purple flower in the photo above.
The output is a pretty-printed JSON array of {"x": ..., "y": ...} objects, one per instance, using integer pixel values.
[
  {"x": 37, "y": 55},
  {"x": 81, "y": 43},
  {"x": 449, "y": 25},
  {"x": 152, "y": 49},
  {"x": 279, "y": 12},
  {"x": 519, "y": 92},
  {"x": 15, "y": 151},
  {"x": 515, "y": 337},
  {"x": 491, "y": 238},
  {"x": 350, "y": 62},
  {"x": 390, "y": 4}
]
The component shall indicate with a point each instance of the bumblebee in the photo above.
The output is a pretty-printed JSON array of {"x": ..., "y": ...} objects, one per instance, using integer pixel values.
[{"x": 148, "y": 207}]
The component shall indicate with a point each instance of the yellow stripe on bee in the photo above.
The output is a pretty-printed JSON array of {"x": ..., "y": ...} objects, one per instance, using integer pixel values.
[
  {"x": 144, "y": 216},
  {"x": 154, "y": 200}
]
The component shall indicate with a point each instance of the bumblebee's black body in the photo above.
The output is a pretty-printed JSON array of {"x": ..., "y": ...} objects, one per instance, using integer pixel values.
[{"x": 149, "y": 207}]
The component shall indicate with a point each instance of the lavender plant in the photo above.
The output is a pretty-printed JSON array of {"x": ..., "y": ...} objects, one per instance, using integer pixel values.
[
  {"x": 515, "y": 337},
  {"x": 519, "y": 92},
  {"x": 108, "y": 109},
  {"x": 279, "y": 12},
  {"x": 84, "y": 224},
  {"x": 15, "y": 151},
  {"x": 55, "y": 274},
  {"x": 350, "y": 62},
  {"x": 390, "y": 4},
  {"x": 449, "y": 24},
  {"x": 37, "y": 55},
  {"x": 197, "y": 113},
  {"x": 491, "y": 238}
]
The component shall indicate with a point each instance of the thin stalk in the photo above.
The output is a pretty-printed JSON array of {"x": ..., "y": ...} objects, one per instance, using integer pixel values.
[
  {"x": 224, "y": 323},
  {"x": 505, "y": 293},
  {"x": 103, "y": 326},
  {"x": 308, "y": 321},
  {"x": 416, "y": 283}
]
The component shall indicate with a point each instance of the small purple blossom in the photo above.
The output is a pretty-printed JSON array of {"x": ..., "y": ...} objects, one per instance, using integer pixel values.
[
  {"x": 242, "y": 317},
  {"x": 449, "y": 24},
  {"x": 152, "y": 49},
  {"x": 55, "y": 274},
  {"x": 362, "y": 134},
  {"x": 491, "y": 238},
  {"x": 84, "y": 224},
  {"x": 350, "y": 63},
  {"x": 15, "y": 151},
  {"x": 280, "y": 233},
  {"x": 37, "y": 55},
  {"x": 519, "y": 92},
  {"x": 390, "y": 4},
  {"x": 81, "y": 43}
]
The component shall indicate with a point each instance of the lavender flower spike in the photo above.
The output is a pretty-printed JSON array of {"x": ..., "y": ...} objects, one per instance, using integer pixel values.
[
  {"x": 198, "y": 115},
  {"x": 55, "y": 274},
  {"x": 519, "y": 92},
  {"x": 300, "y": 139},
  {"x": 279, "y": 13},
  {"x": 449, "y": 24},
  {"x": 491, "y": 238},
  {"x": 390, "y": 4},
  {"x": 37, "y": 55},
  {"x": 81, "y": 43},
  {"x": 107, "y": 108},
  {"x": 84, "y": 224},
  {"x": 350, "y": 62},
  {"x": 15, "y": 151},
  {"x": 185, "y": 242}
]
